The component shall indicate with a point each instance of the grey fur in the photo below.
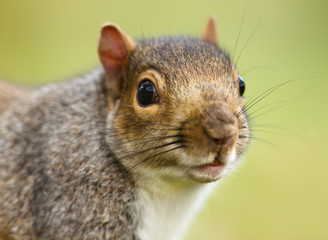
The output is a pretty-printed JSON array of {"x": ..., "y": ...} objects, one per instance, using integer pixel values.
[
  {"x": 49, "y": 145},
  {"x": 59, "y": 173}
]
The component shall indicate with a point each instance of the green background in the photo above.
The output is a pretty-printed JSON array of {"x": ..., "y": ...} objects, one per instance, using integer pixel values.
[{"x": 280, "y": 191}]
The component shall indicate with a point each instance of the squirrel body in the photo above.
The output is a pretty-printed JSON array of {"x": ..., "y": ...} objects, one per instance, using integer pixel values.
[{"x": 128, "y": 151}]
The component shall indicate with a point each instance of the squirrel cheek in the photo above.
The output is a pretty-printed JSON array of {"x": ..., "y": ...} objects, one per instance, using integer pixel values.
[{"x": 241, "y": 101}]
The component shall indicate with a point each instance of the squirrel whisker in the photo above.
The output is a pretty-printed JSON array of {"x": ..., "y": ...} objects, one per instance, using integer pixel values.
[
  {"x": 132, "y": 130},
  {"x": 248, "y": 40},
  {"x": 284, "y": 130},
  {"x": 240, "y": 28},
  {"x": 155, "y": 155},
  {"x": 133, "y": 155},
  {"x": 149, "y": 149},
  {"x": 268, "y": 111},
  {"x": 269, "y": 143},
  {"x": 261, "y": 96},
  {"x": 277, "y": 105},
  {"x": 146, "y": 140},
  {"x": 247, "y": 70}
]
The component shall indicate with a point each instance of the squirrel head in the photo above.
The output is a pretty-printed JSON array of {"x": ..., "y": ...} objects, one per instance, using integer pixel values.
[{"x": 175, "y": 105}]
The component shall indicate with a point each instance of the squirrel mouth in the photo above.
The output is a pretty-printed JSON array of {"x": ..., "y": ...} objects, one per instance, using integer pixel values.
[
  {"x": 211, "y": 170},
  {"x": 216, "y": 162}
]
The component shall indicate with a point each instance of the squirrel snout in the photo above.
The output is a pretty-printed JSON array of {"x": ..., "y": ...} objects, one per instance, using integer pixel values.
[{"x": 220, "y": 128}]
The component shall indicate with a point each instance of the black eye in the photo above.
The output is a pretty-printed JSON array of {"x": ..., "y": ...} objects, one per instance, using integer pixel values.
[
  {"x": 241, "y": 86},
  {"x": 147, "y": 93}
]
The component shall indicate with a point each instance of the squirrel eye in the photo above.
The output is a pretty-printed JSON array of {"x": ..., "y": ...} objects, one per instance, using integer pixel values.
[
  {"x": 147, "y": 93},
  {"x": 241, "y": 85}
]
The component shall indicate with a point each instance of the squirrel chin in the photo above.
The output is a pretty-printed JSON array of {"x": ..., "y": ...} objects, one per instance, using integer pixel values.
[{"x": 213, "y": 171}]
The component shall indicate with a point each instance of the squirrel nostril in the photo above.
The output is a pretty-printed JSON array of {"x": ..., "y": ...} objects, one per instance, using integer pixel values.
[
  {"x": 220, "y": 128},
  {"x": 225, "y": 141}
]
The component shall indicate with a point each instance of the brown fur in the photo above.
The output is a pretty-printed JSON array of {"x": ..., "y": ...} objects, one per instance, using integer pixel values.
[
  {"x": 5, "y": 234},
  {"x": 183, "y": 69},
  {"x": 69, "y": 166}
]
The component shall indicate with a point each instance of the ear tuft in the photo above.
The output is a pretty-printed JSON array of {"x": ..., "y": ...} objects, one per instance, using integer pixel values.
[{"x": 210, "y": 33}]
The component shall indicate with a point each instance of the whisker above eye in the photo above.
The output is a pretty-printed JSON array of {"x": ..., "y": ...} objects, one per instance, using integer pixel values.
[
  {"x": 241, "y": 26},
  {"x": 246, "y": 71},
  {"x": 248, "y": 40}
]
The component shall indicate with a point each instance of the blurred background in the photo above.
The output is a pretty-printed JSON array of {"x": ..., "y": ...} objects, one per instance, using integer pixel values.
[{"x": 280, "y": 190}]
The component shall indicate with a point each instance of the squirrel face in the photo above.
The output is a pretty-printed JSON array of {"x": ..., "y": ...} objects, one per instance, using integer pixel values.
[{"x": 176, "y": 108}]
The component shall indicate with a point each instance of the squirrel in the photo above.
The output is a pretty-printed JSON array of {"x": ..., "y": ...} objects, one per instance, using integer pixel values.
[{"x": 129, "y": 150}]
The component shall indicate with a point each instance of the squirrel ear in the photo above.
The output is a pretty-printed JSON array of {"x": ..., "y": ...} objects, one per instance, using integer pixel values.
[
  {"x": 114, "y": 48},
  {"x": 210, "y": 33}
]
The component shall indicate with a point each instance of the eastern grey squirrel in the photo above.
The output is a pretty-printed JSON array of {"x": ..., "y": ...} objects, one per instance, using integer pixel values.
[{"x": 128, "y": 151}]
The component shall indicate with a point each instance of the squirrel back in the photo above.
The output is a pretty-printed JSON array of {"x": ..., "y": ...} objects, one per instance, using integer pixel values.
[{"x": 127, "y": 151}]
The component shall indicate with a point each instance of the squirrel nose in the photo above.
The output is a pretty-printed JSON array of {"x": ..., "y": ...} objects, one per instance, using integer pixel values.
[{"x": 220, "y": 128}]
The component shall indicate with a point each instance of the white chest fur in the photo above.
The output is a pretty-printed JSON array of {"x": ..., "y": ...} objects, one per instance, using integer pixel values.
[{"x": 166, "y": 209}]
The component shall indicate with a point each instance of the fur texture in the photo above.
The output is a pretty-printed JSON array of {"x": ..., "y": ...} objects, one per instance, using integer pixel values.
[
  {"x": 48, "y": 144},
  {"x": 84, "y": 160}
]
